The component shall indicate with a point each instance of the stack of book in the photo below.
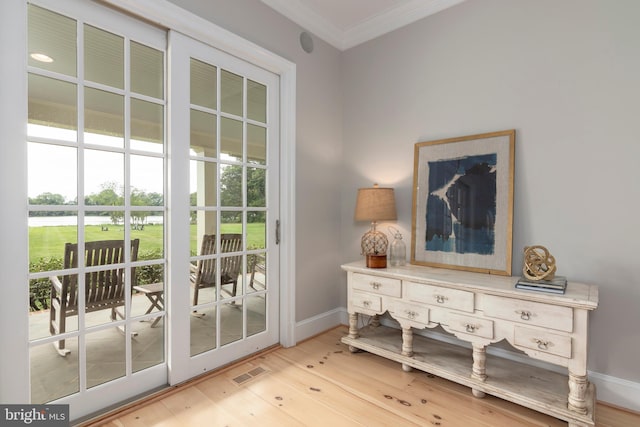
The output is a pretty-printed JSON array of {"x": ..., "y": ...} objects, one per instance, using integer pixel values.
[{"x": 556, "y": 286}]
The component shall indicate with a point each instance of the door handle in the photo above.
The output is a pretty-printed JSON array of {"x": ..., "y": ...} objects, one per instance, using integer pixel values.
[{"x": 277, "y": 231}]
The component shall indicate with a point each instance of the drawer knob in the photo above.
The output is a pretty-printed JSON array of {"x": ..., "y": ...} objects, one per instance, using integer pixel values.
[
  {"x": 542, "y": 345},
  {"x": 376, "y": 285},
  {"x": 366, "y": 303},
  {"x": 524, "y": 315},
  {"x": 470, "y": 328},
  {"x": 440, "y": 299}
]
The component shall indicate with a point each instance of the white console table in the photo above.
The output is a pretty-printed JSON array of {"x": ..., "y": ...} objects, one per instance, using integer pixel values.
[{"x": 479, "y": 309}]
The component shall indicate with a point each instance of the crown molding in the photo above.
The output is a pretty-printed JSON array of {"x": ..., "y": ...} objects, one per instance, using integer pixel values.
[{"x": 369, "y": 29}]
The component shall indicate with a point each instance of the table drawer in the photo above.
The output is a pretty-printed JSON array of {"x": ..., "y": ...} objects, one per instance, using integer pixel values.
[
  {"x": 533, "y": 313},
  {"x": 471, "y": 325},
  {"x": 376, "y": 284},
  {"x": 560, "y": 345},
  {"x": 367, "y": 301},
  {"x": 413, "y": 312},
  {"x": 440, "y": 296}
]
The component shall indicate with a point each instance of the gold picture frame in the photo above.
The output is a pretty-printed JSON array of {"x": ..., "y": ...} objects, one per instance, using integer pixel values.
[{"x": 462, "y": 216}]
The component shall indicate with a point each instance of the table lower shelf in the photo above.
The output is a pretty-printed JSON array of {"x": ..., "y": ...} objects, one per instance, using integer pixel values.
[{"x": 533, "y": 387}]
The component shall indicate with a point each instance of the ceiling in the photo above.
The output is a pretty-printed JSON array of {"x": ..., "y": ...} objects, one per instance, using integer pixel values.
[{"x": 348, "y": 23}]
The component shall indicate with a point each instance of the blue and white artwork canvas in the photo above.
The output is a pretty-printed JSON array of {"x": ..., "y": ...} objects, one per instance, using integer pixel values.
[{"x": 461, "y": 201}]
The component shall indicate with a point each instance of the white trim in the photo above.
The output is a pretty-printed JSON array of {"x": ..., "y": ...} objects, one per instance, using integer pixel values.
[
  {"x": 377, "y": 25},
  {"x": 398, "y": 17},
  {"x": 171, "y": 16},
  {"x": 14, "y": 252},
  {"x": 616, "y": 391},
  {"x": 320, "y": 323}
]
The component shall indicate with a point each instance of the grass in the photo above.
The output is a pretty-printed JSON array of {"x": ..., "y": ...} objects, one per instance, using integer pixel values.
[{"x": 47, "y": 242}]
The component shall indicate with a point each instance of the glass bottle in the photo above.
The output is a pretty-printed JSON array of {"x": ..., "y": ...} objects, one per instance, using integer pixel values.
[{"x": 397, "y": 249}]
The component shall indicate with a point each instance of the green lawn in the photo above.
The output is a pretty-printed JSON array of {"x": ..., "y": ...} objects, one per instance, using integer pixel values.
[{"x": 45, "y": 242}]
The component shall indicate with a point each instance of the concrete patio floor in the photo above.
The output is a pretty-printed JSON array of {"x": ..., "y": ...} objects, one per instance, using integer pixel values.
[{"x": 54, "y": 376}]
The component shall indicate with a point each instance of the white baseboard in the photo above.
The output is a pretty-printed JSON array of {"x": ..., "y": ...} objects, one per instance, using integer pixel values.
[
  {"x": 318, "y": 324},
  {"x": 609, "y": 389}
]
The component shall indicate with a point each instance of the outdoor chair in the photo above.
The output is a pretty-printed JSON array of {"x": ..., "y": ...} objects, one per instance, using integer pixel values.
[
  {"x": 203, "y": 273},
  {"x": 104, "y": 289}
]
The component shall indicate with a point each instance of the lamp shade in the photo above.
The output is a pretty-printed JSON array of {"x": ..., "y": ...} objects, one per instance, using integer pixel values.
[{"x": 375, "y": 204}]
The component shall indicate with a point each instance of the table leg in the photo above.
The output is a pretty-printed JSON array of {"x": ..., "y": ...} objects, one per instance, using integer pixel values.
[
  {"x": 577, "y": 392},
  {"x": 479, "y": 370}
]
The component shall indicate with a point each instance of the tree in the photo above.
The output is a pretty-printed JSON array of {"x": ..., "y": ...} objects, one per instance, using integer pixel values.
[{"x": 47, "y": 199}]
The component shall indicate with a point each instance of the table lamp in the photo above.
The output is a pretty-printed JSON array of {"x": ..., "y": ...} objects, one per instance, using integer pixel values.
[{"x": 375, "y": 204}]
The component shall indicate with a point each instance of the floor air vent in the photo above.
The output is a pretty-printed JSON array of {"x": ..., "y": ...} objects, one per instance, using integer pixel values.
[{"x": 240, "y": 379}]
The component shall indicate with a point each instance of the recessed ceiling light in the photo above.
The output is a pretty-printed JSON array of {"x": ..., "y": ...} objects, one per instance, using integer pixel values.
[{"x": 41, "y": 57}]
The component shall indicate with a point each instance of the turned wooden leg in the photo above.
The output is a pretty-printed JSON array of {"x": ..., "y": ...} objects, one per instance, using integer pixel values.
[
  {"x": 577, "y": 392},
  {"x": 375, "y": 321},
  {"x": 407, "y": 346},
  {"x": 353, "y": 325},
  {"x": 407, "y": 342},
  {"x": 479, "y": 371}
]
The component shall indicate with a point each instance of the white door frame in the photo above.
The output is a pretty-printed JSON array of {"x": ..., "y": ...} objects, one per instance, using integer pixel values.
[{"x": 13, "y": 170}]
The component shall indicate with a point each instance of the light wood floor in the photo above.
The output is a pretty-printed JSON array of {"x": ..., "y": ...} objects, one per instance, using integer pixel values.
[{"x": 320, "y": 383}]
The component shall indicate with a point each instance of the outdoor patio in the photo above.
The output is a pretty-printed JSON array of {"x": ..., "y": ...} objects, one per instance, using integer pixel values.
[{"x": 54, "y": 376}]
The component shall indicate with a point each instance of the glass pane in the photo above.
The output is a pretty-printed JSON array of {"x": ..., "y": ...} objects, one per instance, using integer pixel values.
[
  {"x": 231, "y": 323},
  {"x": 105, "y": 288},
  {"x": 103, "y": 178},
  {"x": 103, "y": 57},
  {"x": 48, "y": 233},
  {"x": 231, "y": 222},
  {"x": 103, "y": 118},
  {"x": 148, "y": 345},
  {"x": 52, "y": 186},
  {"x": 256, "y": 314},
  {"x": 65, "y": 292},
  {"x": 148, "y": 291},
  {"x": 147, "y": 126},
  {"x": 231, "y": 93},
  {"x": 103, "y": 225},
  {"x": 256, "y": 188},
  {"x": 148, "y": 227},
  {"x": 202, "y": 222},
  {"x": 203, "y": 134},
  {"x": 256, "y": 101},
  {"x": 230, "y": 139},
  {"x": 256, "y": 272},
  {"x": 203, "y": 84},
  {"x": 231, "y": 185},
  {"x": 53, "y": 111},
  {"x": 256, "y": 144},
  {"x": 147, "y": 180},
  {"x": 52, "y": 376},
  {"x": 204, "y": 179},
  {"x": 147, "y": 70},
  {"x": 105, "y": 356},
  {"x": 256, "y": 230},
  {"x": 52, "y": 41},
  {"x": 203, "y": 331}
]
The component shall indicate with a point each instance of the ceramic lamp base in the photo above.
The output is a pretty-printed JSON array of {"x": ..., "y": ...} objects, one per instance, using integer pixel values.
[{"x": 377, "y": 261}]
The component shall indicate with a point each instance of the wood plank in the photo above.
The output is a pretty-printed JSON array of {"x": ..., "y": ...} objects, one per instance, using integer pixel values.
[{"x": 355, "y": 389}]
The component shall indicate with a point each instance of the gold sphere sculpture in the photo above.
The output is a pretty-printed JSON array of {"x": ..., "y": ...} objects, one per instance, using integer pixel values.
[{"x": 539, "y": 264}]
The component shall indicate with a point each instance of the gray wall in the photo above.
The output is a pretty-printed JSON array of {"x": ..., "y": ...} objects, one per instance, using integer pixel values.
[
  {"x": 565, "y": 75},
  {"x": 318, "y": 144}
]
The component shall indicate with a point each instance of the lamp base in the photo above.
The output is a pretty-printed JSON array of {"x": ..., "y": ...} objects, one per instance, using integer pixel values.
[{"x": 377, "y": 261}]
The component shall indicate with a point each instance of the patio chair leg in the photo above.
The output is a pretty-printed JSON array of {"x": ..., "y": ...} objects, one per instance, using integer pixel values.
[{"x": 59, "y": 346}]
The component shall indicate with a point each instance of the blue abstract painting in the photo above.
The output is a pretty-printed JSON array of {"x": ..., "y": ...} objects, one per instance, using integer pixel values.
[{"x": 461, "y": 205}]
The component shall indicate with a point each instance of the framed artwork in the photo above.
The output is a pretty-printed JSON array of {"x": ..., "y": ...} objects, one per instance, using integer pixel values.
[{"x": 462, "y": 215}]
